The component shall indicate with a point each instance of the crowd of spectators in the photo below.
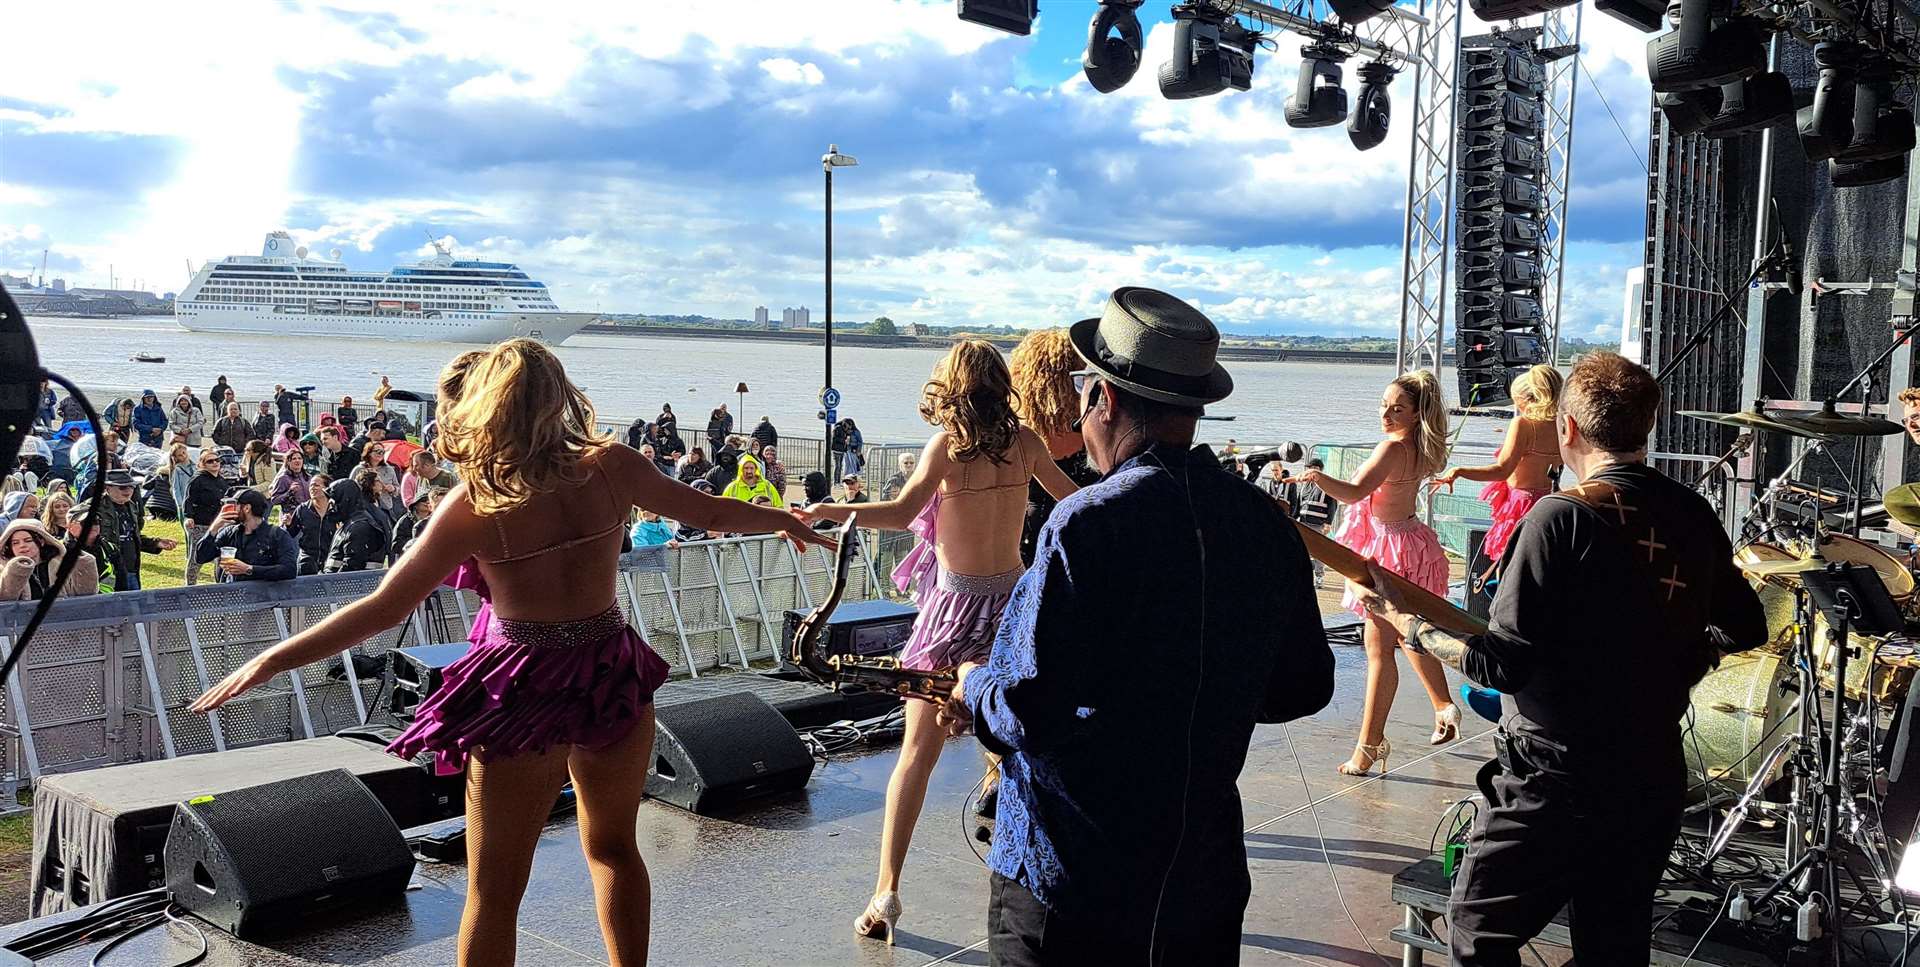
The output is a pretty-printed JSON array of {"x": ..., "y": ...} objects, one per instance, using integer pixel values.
[{"x": 283, "y": 486}]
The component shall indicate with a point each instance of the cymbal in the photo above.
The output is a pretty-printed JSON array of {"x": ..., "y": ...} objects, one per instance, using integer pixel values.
[
  {"x": 1787, "y": 568},
  {"x": 1903, "y": 504},
  {"x": 1750, "y": 420},
  {"x": 1829, "y": 423}
]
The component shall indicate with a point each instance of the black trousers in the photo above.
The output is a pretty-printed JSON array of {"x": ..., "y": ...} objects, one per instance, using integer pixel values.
[
  {"x": 1589, "y": 833},
  {"x": 1022, "y": 932}
]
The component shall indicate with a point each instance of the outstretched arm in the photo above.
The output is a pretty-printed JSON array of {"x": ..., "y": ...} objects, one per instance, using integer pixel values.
[
  {"x": 1503, "y": 465},
  {"x": 643, "y": 485},
  {"x": 1372, "y": 474},
  {"x": 897, "y": 513},
  {"x": 454, "y": 534}
]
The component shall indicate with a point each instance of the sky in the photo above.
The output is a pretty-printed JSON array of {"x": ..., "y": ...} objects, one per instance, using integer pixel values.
[{"x": 662, "y": 156}]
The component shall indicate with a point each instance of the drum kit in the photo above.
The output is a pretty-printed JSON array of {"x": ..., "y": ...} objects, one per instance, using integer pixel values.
[{"x": 1797, "y": 726}]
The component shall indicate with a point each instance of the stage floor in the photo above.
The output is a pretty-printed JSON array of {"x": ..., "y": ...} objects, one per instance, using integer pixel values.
[{"x": 782, "y": 883}]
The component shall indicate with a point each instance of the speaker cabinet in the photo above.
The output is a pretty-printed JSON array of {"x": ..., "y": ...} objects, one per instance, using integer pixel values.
[
  {"x": 262, "y": 859},
  {"x": 713, "y": 754}
]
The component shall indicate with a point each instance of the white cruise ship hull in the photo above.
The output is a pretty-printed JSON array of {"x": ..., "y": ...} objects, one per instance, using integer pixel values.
[{"x": 552, "y": 328}]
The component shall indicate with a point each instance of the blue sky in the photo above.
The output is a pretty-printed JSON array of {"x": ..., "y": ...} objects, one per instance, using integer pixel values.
[{"x": 655, "y": 157}]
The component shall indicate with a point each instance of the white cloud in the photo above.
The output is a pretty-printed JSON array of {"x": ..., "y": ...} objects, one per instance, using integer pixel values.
[{"x": 786, "y": 70}]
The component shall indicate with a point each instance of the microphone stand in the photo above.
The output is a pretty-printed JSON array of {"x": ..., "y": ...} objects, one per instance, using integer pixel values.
[
  {"x": 1864, "y": 380},
  {"x": 1780, "y": 256}
]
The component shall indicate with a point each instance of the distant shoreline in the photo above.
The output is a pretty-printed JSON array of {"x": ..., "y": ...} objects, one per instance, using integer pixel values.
[{"x": 855, "y": 337}]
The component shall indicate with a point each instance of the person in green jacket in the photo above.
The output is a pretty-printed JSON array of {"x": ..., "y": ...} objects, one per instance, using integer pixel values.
[{"x": 749, "y": 483}]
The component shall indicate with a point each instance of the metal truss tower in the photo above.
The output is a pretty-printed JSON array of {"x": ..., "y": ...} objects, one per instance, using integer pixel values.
[{"x": 1427, "y": 243}]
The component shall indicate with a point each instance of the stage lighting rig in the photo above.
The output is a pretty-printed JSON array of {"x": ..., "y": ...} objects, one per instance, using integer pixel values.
[
  {"x": 1859, "y": 174},
  {"x": 1318, "y": 100},
  {"x": 1367, "y": 127},
  {"x": 1211, "y": 52},
  {"x": 1826, "y": 125},
  {"x": 1880, "y": 129},
  {"x": 1689, "y": 112},
  {"x": 1748, "y": 104},
  {"x": 1012, "y": 16},
  {"x": 1110, "y": 61},
  {"x": 1358, "y": 11},
  {"x": 1700, "y": 54}
]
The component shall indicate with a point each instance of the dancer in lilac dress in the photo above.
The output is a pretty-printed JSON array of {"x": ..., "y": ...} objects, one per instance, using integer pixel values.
[
  {"x": 966, "y": 501},
  {"x": 557, "y": 685}
]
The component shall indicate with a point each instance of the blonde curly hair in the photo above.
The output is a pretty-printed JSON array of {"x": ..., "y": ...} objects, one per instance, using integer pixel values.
[
  {"x": 1043, "y": 388},
  {"x": 971, "y": 397},
  {"x": 517, "y": 427},
  {"x": 1541, "y": 388}
]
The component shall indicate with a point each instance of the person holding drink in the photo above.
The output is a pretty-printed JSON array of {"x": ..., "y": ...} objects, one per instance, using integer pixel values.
[{"x": 245, "y": 546}]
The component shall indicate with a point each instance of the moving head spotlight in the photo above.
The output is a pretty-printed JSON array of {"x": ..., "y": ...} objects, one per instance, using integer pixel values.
[
  {"x": 1880, "y": 130},
  {"x": 1699, "y": 54},
  {"x": 1318, "y": 100},
  {"x": 1110, "y": 62},
  {"x": 1826, "y": 125},
  {"x": 1211, "y": 52},
  {"x": 1368, "y": 125},
  {"x": 1012, "y": 16},
  {"x": 1689, "y": 112},
  {"x": 1859, "y": 174},
  {"x": 1358, "y": 11},
  {"x": 1750, "y": 104}
]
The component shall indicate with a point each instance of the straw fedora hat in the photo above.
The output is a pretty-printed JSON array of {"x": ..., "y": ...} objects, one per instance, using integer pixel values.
[{"x": 1154, "y": 346}]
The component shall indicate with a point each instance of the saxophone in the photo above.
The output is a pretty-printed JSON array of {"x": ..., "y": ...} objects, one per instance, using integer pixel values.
[{"x": 846, "y": 673}]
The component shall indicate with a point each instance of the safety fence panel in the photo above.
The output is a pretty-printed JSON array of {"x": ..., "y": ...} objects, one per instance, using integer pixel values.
[{"x": 108, "y": 678}]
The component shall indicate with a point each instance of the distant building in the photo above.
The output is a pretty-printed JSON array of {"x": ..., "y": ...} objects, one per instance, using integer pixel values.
[
  {"x": 918, "y": 329},
  {"x": 795, "y": 318},
  {"x": 760, "y": 318}
]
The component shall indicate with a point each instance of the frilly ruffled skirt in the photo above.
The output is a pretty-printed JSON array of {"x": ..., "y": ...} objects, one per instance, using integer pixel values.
[
  {"x": 528, "y": 686},
  {"x": 1407, "y": 547},
  {"x": 1509, "y": 505}
]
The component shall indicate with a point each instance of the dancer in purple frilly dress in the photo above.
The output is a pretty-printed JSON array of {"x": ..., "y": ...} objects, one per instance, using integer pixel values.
[
  {"x": 966, "y": 501},
  {"x": 1380, "y": 524},
  {"x": 557, "y": 684}
]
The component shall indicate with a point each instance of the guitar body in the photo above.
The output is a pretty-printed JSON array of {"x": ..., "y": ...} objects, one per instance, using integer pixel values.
[{"x": 1438, "y": 611}]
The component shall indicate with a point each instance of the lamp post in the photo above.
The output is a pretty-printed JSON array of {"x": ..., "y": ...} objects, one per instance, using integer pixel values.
[
  {"x": 829, "y": 397},
  {"x": 741, "y": 391}
]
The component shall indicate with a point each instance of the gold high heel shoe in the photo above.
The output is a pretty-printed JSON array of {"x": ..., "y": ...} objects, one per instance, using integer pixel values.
[
  {"x": 1365, "y": 757},
  {"x": 883, "y": 911},
  {"x": 1446, "y": 725}
]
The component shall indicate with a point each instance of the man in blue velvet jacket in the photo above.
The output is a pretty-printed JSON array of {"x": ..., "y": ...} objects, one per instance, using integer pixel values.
[{"x": 1169, "y": 609}]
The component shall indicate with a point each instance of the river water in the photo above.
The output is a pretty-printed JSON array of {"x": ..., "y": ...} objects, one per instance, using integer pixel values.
[{"x": 630, "y": 376}]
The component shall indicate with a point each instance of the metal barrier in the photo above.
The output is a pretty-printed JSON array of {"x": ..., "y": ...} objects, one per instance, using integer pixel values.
[{"x": 108, "y": 677}]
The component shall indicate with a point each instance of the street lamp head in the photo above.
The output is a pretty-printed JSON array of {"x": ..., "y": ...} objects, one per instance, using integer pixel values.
[{"x": 834, "y": 159}]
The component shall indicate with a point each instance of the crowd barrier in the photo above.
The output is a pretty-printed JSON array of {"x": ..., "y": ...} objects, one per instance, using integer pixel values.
[{"x": 107, "y": 678}]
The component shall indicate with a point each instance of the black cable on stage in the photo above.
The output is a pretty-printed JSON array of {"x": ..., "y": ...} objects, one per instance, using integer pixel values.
[
  {"x": 164, "y": 916},
  {"x": 101, "y": 465}
]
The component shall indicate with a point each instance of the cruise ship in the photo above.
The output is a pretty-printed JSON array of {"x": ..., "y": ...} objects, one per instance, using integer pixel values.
[{"x": 283, "y": 291}]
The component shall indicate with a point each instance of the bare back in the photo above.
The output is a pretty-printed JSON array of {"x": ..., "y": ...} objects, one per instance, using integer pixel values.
[
  {"x": 1398, "y": 496},
  {"x": 1539, "y": 453},
  {"x": 553, "y": 558},
  {"x": 983, "y": 506}
]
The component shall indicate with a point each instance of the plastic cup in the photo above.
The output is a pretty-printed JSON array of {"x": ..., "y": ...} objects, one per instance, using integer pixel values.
[{"x": 229, "y": 553}]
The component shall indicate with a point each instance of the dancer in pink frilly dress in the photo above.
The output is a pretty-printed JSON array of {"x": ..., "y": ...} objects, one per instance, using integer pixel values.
[{"x": 1380, "y": 524}]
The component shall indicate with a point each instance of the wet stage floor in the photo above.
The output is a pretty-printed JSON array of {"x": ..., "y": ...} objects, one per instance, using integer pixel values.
[{"x": 780, "y": 883}]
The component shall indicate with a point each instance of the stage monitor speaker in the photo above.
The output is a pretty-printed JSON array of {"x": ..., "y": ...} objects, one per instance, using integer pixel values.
[
  {"x": 262, "y": 859},
  {"x": 862, "y": 629},
  {"x": 415, "y": 673},
  {"x": 713, "y": 754}
]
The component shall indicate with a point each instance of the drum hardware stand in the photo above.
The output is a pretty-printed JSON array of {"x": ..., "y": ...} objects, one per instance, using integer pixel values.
[
  {"x": 1776, "y": 489},
  {"x": 1848, "y": 594},
  {"x": 1864, "y": 380}
]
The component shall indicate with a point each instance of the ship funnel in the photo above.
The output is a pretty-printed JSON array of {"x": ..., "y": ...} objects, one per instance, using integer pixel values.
[{"x": 278, "y": 245}]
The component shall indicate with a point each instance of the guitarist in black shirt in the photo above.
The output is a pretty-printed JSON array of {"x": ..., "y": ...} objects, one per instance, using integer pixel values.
[{"x": 1615, "y": 598}]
